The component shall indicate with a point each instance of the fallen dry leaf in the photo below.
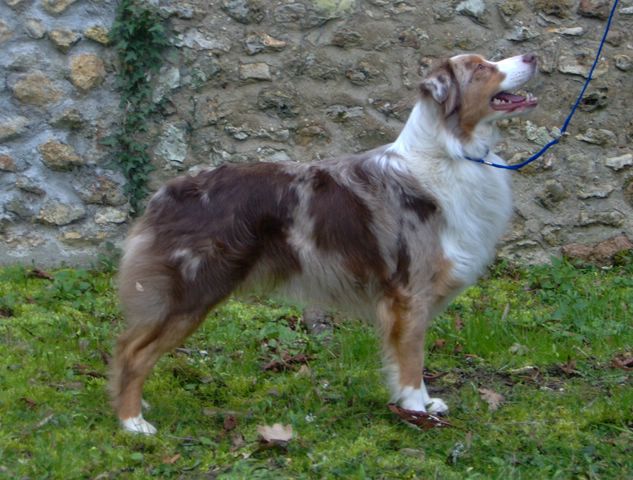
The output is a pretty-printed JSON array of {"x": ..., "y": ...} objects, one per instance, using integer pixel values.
[
  {"x": 438, "y": 344},
  {"x": 286, "y": 362},
  {"x": 211, "y": 412},
  {"x": 518, "y": 349},
  {"x": 623, "y": 361},
  {"x": 430, "y": 377},
  {"x": 293, "y": 322},
  {"x": 237, "y": 441},
  {"x": 569, "y": 367},
  {"x": 106, "y": 358},
  {"x": 230, "y": 422},
  {"x": 459, "y": 323},
  {"x": 30, "y": 403},
  {"x": 171, "y": 460},
  {"x": 304, "y": 371},
  {"x": 423, "y": 420},
  {"x": 277, "y": 434},
  {"x": 492, "y": 398},
  {"x": 81, "y": 369},
  {"x": 37, "y": 273}
]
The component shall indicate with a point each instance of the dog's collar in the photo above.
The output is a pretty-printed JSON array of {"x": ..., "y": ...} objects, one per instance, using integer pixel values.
[{"x": 482, "y": 159}]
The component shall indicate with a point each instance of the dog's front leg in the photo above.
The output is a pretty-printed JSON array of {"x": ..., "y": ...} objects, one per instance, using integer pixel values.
[{"x": 404, "y": 328}]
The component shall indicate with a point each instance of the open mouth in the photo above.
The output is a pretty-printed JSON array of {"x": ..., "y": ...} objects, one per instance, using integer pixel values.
[{"x": 509, "y": 102}]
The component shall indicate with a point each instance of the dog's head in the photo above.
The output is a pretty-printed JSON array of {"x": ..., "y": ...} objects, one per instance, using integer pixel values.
[{"x": 476, "y": 90}]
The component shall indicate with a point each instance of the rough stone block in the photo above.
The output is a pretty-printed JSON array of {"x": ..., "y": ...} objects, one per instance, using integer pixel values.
[
  {"x": 87, "y": 71},
  {"x": 55, "y": 212},
  {"x": 98, "y": 34},
  {"x": 64, "y": 39},
  {"x": 244, "y": 11},
  {"x": 7, "y": 164},
  {"x": 34, "y": 28},
  {"x": 57, "y": 7},
  {"x": 255, "y": 71},
  {"x": 6, "y": 32},
  {"x": 36, "y": 89},
  {"x": 59, "y": 156},
  {"x": 12, "y": 127},
  {"x": 110, "y": 215}
]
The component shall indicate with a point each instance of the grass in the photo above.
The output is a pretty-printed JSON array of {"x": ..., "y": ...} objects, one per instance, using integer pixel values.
[{"x": 544, "y": 338}]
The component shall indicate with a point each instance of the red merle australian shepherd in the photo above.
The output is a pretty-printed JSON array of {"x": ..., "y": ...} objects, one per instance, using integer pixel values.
[{"x": 394, "y": 233}]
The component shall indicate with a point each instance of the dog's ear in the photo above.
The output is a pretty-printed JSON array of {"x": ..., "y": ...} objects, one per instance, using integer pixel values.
[{"x": 441, "y": 85}]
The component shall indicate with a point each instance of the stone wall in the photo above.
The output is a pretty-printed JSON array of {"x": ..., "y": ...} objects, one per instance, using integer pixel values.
[
  {"x": 58, "y": 199},
  {"x": 255, "y": 80}
]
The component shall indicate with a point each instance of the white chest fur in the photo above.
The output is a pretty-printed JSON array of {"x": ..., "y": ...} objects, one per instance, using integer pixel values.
[{"x": 476, "y": 201}]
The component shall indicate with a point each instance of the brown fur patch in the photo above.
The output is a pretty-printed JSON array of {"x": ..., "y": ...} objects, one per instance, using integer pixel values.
[
  {"x": 479, "y": 80},
  {"x": 405, "y": 338},
  {"x": 342, "y": 224},
  {"x": 443, "y": 283},
  {"x": 402, "y": 275},
  {"x": 422, "y": 206},
  {"x": 230, "y": 219}
]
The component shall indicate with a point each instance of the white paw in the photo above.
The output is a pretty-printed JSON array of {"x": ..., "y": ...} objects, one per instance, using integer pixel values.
[
  {"x": 436, "y": 406},
  {"x": 138, "y": 425}
]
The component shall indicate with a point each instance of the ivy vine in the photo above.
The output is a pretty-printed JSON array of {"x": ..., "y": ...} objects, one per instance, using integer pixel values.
[{"x": 138, "y": 36}]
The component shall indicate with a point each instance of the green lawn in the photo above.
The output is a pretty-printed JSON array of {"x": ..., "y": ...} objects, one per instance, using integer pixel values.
[{"x": 548, "y": 339}]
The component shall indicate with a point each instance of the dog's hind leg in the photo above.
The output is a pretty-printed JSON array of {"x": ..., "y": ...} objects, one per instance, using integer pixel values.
[
  {"x": 403, "y": 327},
  {"x": 138, "y": 350}
]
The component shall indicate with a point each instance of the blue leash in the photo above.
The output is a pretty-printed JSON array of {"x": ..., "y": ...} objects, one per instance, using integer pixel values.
[{"x": 563, "y": 129}]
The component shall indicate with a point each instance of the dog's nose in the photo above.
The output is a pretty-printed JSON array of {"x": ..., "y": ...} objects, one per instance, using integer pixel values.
[{"x": 529, "y": 58}]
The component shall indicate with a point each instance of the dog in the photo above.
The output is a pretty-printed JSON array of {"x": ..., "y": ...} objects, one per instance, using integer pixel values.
[{"x": 392, "y": 234}]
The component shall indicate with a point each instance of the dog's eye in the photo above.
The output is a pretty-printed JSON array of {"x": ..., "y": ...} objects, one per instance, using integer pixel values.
[{"x": 480, "y": 67}]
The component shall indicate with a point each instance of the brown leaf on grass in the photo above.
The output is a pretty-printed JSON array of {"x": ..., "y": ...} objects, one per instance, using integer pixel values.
[
  {"x": 569, "y": 367},
  {"x": 275, "y": 435},
  {"x": 212, "y": 412},
  {"x": 492, "y": 398},
  {"x": 81, "y": 369},
  {"x": 171, "y": 460},
  {"x": 37, "y": 273},
  {"x": 304, "y": 371},
  {"x": 230, "y": 422},
  {"x": 439, "y": 344},
  {"x": 237, "y": 441},
  {"x": 106, "y": 358},
  {"x": 286, "y": 362},
  {"x": 459, "y": 323},
  {"x": 423, "y": 420},
  {"x": 293, "y": 322},
  {"x": 431, "y": 377},
  {"x": 29, "y": 402},
  {"x": 623, "y": 361}
]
